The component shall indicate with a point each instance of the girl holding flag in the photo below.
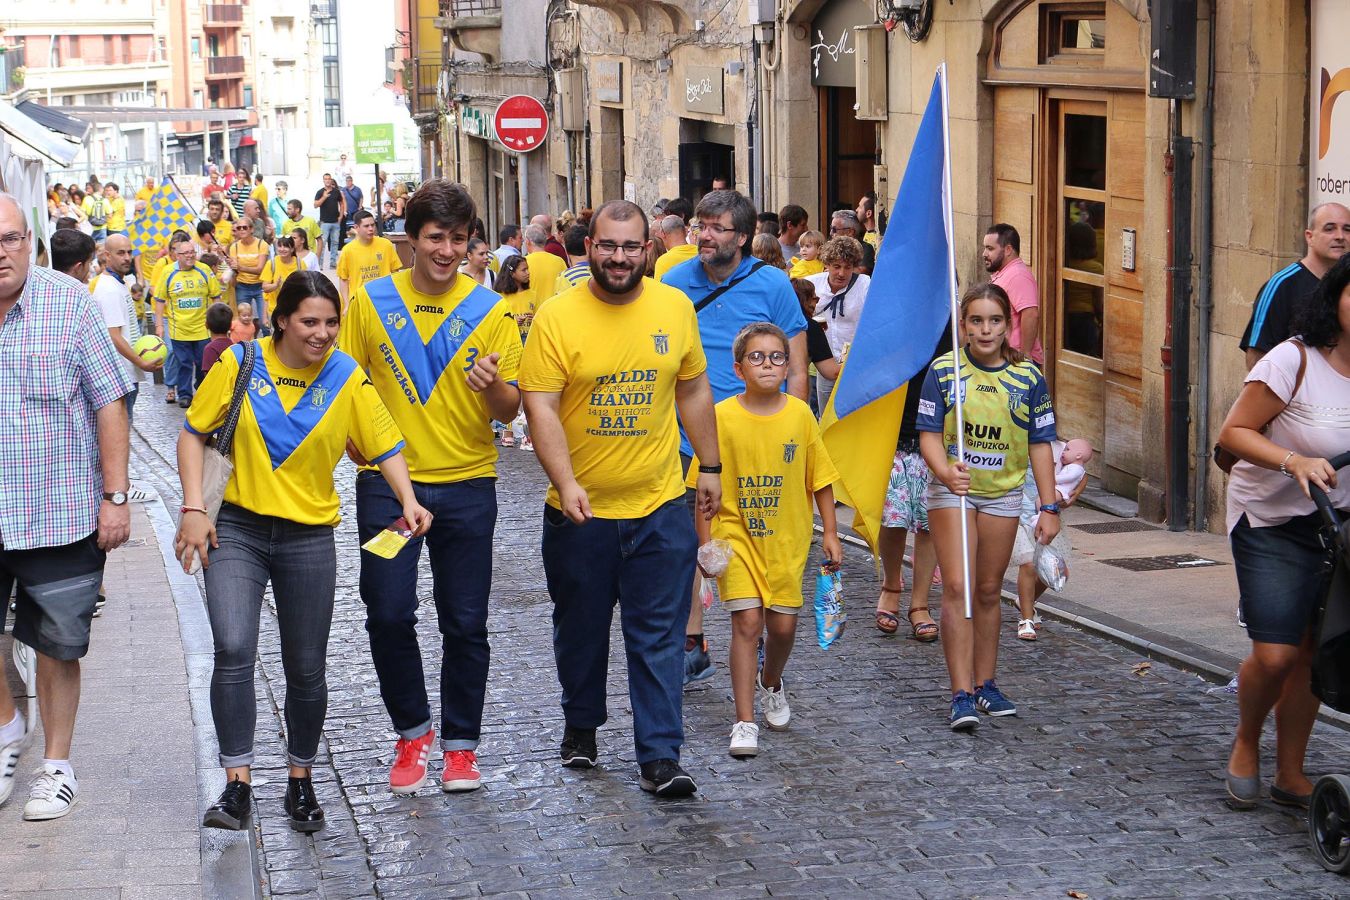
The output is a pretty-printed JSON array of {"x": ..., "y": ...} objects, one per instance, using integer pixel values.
[{"x": 1003, "y": 407}]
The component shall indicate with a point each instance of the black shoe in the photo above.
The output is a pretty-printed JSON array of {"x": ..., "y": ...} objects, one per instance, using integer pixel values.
[
  {"x": 665, "y": 778},
  {"x": 232, "y": 810},
  {"x": 578, "y": 749},
  {"x": 302, "y": 806},
  {"x": 184, "y": 402}
]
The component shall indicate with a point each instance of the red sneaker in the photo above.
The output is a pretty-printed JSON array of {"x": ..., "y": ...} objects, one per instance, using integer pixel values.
[
  {"x": 410, "y": 763},
  {"x": 461, "y": 772}
]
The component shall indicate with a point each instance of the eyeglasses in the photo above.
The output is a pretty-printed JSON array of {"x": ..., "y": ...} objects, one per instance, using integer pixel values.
[
  {"x": 609, "y": 248},
  {"x": 12, "y": 241},
  {"x": 716, "y": 230},
  {"x": 757, "y": 357}
]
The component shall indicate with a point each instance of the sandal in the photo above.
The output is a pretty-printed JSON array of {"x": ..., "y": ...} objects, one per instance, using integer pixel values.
[
  {"x": 1026, "y": 630},
  {"x": 924, "y": 632},
  {"x": 507, "y": 439},
  {"x": 888, "y": 622}
]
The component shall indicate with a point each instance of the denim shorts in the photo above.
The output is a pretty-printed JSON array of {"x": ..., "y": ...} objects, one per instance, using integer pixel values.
[
  {"x": 1282, "y": 573},
  {"x": 1007, "y": 506}
]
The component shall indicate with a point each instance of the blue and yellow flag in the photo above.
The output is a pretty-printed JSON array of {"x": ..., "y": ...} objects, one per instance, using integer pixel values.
[
  {"x": 908, "y": 307},
  {"x": 166, "y": 211}
]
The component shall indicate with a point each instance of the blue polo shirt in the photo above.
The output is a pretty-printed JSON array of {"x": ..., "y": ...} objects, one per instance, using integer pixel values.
[{"x": 766, "y": 296}]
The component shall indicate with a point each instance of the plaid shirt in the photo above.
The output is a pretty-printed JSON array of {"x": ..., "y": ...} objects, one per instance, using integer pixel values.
[{"x": 57, "y": 368}]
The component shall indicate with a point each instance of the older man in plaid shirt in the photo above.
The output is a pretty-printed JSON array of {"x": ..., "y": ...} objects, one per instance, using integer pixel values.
[{"x": 63, "y": 483}]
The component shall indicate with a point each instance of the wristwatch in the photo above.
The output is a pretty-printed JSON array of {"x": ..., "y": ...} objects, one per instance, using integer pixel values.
[
  {"x": 116, "y": 498},
  {"x": 710, "y": 470},
  {"x": 1052, "y": 508}
]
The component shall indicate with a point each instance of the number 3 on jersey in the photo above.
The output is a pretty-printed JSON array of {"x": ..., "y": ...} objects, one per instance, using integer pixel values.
[{"x": 471, "y": 358}]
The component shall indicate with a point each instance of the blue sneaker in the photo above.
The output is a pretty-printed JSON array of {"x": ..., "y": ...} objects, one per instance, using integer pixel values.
[
  {"x": 990, "y": 700},
  {"x": 963, "y": 712},
  {"x": 698, "y": 665}
]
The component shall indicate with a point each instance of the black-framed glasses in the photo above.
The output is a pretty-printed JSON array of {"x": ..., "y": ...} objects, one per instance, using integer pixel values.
[
  {"x": 13, "y": 241},
  {"x": 609, "y": 248},
  {"x": 757, "y": 357},
  {"x": 716, "y": 230}
]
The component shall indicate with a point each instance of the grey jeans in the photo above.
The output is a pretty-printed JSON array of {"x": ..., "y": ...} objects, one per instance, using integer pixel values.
[{"x": 301, "y": 563}]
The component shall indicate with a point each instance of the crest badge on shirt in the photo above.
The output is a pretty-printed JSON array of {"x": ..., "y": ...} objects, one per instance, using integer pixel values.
[
  {"x": 457, "y": 326},
  {"x": 318, "y": 396},
  {"x": 789, "y": 451},
  {"x": 661, "y": 343}
]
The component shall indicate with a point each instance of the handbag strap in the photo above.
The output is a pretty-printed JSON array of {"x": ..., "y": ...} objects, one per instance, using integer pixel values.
[
  {"x": 698, "y": 307},
  {"x": 225, "y": 436}
]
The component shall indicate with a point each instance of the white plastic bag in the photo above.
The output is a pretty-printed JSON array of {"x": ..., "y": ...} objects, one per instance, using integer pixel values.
[{"x": 715, "y": 556}]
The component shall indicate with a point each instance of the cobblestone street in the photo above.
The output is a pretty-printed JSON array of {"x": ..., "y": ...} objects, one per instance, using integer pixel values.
[{"x": 1108, "y": 783}]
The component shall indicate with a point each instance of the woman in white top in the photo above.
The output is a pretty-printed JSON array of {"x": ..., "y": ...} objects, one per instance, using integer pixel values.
[
  {"x": 1293, "y": 415},
  {"x": 303, "y": 251},
  {"x": 476, "y": 263},
  {"x": 841, "y": 291}
]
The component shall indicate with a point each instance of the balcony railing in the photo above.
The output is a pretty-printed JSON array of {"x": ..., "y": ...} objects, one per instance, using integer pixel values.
[
  {"x": 424, "y": 87},
  {"x": 226, "y": 15},
  {"x": 463, "y": 9},
  {"x": 224, "y": 65}
]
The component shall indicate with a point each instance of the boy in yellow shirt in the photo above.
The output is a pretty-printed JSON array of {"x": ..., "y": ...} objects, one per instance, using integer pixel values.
[
  {"x": 809, "y": 262},
  {"x": 773, "y": 461},
  {"x": 366, "y": 258}
]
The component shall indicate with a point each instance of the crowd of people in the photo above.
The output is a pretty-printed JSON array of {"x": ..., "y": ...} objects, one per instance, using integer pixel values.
[{"x": 661, "y": 369}]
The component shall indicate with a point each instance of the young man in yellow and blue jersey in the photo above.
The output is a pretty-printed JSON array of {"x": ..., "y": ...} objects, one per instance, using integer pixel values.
[
  {"x": 443, "y": 352},
  {"x": 186, "y": 290}
]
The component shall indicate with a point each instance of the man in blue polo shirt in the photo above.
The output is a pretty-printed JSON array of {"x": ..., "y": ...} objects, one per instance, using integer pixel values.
[{"x": 730, "y": 289}]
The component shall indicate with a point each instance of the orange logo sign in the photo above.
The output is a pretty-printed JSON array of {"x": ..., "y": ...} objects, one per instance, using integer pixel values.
[{"x": 1332, "y": 87}]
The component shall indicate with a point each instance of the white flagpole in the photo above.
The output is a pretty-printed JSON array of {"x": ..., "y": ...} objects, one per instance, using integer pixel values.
[{"x": 956, "y": 315}]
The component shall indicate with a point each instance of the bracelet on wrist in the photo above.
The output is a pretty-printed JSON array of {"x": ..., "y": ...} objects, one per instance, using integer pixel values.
[
  {"x": 711, "y": 470},
  {"x": 187, "y": 509},
  {"x": 1284, "y": 470}
]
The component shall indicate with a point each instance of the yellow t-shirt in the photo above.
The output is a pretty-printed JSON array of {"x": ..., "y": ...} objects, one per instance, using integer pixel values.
[
  {"x": 544, "y": 271},
  {"x": 672, "y": 258},
  {"x": 293, "y": 429},
  {"x": 359, "y": 263},
  {"x": 117, "y": 214},
  {"x": 277, "y": 270},
  {"x": 417, "y": 348},
  {"x": 311, "y": 228},
  {"x": 259, "y": 193},
  {"x": 187, "y": 293},
  {"x": 248, "y": 256},
  {"x": 144, "y": 194},
  {"x": 771, "y": 468},
  {"x": 157, "y": 272},
  {"x": 805, "y": 268},
  {"x": 616, "y": 369},
  {"x": 874, "y": 239}
]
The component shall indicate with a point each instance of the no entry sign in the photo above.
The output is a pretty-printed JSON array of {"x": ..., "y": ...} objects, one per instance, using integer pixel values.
[{"x": 521, "y": 123}]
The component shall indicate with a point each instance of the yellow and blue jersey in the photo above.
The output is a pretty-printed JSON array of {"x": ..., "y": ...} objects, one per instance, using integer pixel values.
[
  {"x": 1005, "y": 409},
  {"x": 418, "y": 349},
  {"x": 293, "y": 428},
  {"x": 186, "y": 294}
]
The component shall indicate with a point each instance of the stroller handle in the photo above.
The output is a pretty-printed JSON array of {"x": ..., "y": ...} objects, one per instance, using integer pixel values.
[{"x": 1320, "y": 497}]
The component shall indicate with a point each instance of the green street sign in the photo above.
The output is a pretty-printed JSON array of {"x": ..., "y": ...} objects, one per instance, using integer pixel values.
[{"x": 374, "y": 143}]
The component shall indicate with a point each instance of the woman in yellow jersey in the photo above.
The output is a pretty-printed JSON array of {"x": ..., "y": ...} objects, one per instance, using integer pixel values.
[
  {"x": 513, "y": 283},
  {"x": 305, "y": 400},
  {"x": 278, "y": 269},
  {"x": 1007, "y": 418},
  {"x": 246, "y": 256}
]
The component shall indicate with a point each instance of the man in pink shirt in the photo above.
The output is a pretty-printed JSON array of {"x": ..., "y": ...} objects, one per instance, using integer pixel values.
[{"x": 1002, "y": 259}]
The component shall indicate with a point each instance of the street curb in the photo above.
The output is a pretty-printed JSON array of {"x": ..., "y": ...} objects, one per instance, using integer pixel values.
[
  {"x": 231, "y": 867},
  {"x": 1210, "y": 665}
]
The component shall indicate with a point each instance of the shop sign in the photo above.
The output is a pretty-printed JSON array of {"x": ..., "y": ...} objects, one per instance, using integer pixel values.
[
  {"x": 475, "y": 122},
  {"x": 834, "y": 46},
  {"x": 703, "y": 89},
  {"x": 1329, "y": 94},
  {"x": 607, "y": 80}
]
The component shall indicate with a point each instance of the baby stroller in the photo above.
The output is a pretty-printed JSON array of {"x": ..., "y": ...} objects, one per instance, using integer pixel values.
[{"x": 1329, "y": 807}]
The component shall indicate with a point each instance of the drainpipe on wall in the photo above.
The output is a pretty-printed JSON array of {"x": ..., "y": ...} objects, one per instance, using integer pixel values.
[
  {"x": 1204, "y": 304},
  {"x": 1179, "y": 290},
  {"x": 756, "y": 127}
]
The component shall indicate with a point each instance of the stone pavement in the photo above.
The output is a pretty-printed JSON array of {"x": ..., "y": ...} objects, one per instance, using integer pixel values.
[
  {"x": 133, "y": 832},
  {"x": 1108, "y": 783}
]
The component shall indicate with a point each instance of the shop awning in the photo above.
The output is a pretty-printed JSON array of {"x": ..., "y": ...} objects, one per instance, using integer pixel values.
[
  {"x": 29, "y": 134},
  {"x": 53, "y": 119}
]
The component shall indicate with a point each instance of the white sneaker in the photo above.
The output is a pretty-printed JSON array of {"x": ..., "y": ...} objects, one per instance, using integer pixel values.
[
  {"x": 140, "y": 495},
  {"x": 52, "y": 795},
  {"x": 9, "y": 762},
  {"x": 777, "y": 713},
  {"x": 744, "y": 740},
  {"x": 527, "y": 444}
]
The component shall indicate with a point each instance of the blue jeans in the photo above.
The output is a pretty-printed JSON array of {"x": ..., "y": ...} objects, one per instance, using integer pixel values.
[
  {"x": 249, "y": 293},
  {"x": 330, "y": 231},
  {"x": 646, "y": 566},
  {"x": 460, "y": 547},
  {"x": 301, "y": 562},
  {"x": 186, "y": 359}
]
